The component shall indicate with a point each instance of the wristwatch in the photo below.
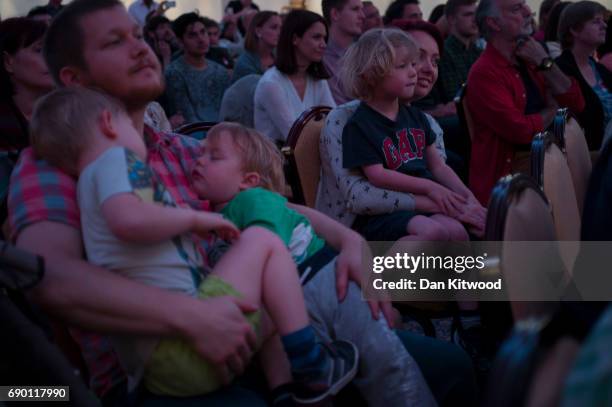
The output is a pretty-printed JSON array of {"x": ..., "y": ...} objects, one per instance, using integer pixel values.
[{"x": 546, "y": 64}]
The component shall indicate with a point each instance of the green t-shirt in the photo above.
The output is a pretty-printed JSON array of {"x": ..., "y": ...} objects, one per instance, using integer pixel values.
[{"x": 260, "y": 207}]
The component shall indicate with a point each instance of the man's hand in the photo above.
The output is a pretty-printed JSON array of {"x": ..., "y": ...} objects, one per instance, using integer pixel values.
[
  {"x": 206, "y": 222},
  {"x": 348, "y": 268},
  {"x": 219, "y": 332},
  {"x": 531, "y": 51}
]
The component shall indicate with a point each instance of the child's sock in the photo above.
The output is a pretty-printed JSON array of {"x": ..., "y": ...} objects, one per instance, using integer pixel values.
[{"x": 306, "y": 356}]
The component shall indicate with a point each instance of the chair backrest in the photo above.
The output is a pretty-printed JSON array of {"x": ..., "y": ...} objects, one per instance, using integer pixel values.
[
  {"x": 238, "y": 103},
  {"x": 570, "y": 137},
  {"x": 578, "y": 159},
  {"x": 302, "y": 153},
  {"x": 465, "y": 118},
  {"x": 551, "y": 171},
  {"x": 196, "y": 130},
  {"x": 519, "y": 212}
]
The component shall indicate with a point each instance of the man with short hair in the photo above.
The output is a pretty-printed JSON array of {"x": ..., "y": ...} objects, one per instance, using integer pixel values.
[
  {"x": 96, "y": 43},
  {"x": 216, "y": 53},
  {"x": 194, "y": 84},
  {"x": 514, "y": 90},
  {"x": 372, "y": 16},
  {"x": 345, "y": 20},
  {"x": 460, "y": 53},
  {"x": 403, "y": 10}
]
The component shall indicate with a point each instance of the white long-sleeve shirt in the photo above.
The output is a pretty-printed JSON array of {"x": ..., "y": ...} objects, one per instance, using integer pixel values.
[{"x": 278, "y": 105}]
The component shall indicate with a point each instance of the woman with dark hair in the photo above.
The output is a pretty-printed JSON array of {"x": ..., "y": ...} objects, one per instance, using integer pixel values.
[
  {"x": 550, "y": 32},
  {"x": 582, "y": 29},
  {"x": 298, "y": 81},
  {"x": 259, "y": 44},
  {"x": 23, "y": 78}
]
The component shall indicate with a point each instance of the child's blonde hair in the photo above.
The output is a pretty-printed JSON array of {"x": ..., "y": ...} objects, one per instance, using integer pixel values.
[
  {"x": 257, "y": 153},
  {"x": 63, "y": 123},
  {"x": 371, "y": 58}
]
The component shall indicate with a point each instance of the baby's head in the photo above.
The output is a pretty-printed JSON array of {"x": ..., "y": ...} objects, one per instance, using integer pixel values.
[
  {"x": 236, "y": 158},
  {"x": 381, "y": 63},
  {"x": 72, "y": 121}
]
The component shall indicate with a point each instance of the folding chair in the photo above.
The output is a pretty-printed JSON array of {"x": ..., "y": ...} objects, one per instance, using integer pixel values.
[{"x": 301, "y": 151}]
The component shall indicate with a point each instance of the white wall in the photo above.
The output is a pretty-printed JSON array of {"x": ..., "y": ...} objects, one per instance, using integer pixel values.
[{"x": 214, "y": 8}]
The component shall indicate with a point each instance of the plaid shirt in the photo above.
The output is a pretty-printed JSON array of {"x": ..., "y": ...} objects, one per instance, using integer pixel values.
[
  {"x": 39, "y": 192},
  {"x": 453, "y": 68}
]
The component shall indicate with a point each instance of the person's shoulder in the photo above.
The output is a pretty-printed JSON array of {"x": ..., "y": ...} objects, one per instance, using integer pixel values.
[{"x": 216, "y": 67}]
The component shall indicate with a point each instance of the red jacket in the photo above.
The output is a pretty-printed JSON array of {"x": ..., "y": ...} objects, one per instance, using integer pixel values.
[{"x": 496, "y": 99}]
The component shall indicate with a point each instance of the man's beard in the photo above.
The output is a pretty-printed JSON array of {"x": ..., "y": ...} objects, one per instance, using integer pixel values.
[{"x": 141, "y": 97}]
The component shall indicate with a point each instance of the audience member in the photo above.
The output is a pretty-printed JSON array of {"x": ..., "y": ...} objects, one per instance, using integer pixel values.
[
  {"x": 437, "y": 13},
  {"x": 158, "y": 33},
  {"x": 379, "y": 70},
  {"x": 582, "y": 29},
  {"x": 551, "y": 40},
  {"x": 372, "y": 18},
  {"x": 345, "y": 19},
  {"x": 140, "y": 8},
  {"x": 241, "y": 173},
  {"x": 89, "y": 135},
  {"x": 298, "y": 81},
  {"x": 194, "y": 85},
  {"x": 40, "y": 13},
  {"x": 237, "y": 9},
  {"x": 514, "y": 91},
  {"x": 259, "y": 45},
  {"x": 216, "y": 53},
  {"x": 460, "y": 53},
  {"x": 238, "y": 101},
  {"x": 42, "y": 203},
  {"x": 54, "y": 6},
  {"x": 24, "y": 78},
  {"x": 403, "y": 10},
  {"x": 605, "y": 51},
  {"x": 545, "y": 8}
]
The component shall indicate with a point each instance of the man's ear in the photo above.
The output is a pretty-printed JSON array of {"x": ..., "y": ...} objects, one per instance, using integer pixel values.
[
  {"x": 7, "y": 60},
  {"x": 69, "y": 75},
  {"x": 250, "y": 180},
  {"x": 333, "y": 14},
  {"x": 106, "y": 124}
]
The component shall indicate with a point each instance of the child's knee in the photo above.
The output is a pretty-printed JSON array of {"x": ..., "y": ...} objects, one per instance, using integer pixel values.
[
  {"x": 433, "y": 231},
  {"x": 261, "y": 238}
]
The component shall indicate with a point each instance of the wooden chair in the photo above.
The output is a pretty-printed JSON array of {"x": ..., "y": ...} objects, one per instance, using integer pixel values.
[
  {"x": 570, "y": 138},
  {"x": 301, "y": 151},
  {"x": 196, "y": 130},
  {"x": 465, "y": 118},
  {"x": 532, "y": 364},
  {"x": 518, "y": 212}
]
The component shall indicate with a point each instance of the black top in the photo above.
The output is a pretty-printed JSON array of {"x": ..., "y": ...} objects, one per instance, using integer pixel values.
[
  {"x": 221, "y": 56},
  {"x": 371, "y": 138},
  {"x": 535, "y": 103},
  {"x": 592, "y": 117}
]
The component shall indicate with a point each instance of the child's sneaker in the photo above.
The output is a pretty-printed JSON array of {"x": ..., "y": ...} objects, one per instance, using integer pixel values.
[{"x": 343, "y": 360}]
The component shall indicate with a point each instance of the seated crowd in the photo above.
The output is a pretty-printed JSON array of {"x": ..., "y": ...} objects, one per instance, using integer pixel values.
[{"x": 174, "y": 261}]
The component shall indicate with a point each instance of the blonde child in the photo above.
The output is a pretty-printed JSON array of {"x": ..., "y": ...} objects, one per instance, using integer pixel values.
[
  {"x": 392, "y": 144},
  {"x": 131, "y": 225},
  {"x": 240, "y": 173}
]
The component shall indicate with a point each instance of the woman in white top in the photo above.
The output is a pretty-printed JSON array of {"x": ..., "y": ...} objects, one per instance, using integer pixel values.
[{"x": 298, "y": 81}]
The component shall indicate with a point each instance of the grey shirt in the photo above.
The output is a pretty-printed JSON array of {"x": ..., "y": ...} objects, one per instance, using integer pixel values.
[
  {"x": 196, "y": 93},
  {"x": 331, "y": 60}
]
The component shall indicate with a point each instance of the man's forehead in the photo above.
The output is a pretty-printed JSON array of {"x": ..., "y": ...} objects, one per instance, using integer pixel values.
[
  {"x": 197, "y": 26},
  {"x": 103, "y": 22}
]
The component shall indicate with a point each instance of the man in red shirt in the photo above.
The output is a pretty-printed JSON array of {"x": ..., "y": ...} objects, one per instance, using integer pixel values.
[{"x": 514, "y": 90}]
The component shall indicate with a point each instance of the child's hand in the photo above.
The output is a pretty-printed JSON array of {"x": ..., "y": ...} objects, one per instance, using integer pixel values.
[
  {"x": 207, "y": 222},
  {"x": 450, "y": 202}
]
